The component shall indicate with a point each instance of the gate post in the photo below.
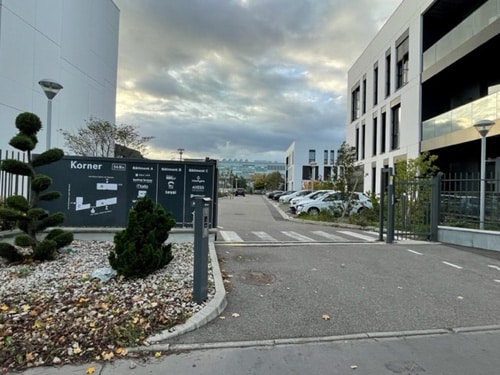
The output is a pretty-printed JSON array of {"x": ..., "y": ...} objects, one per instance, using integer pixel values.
[
  {"x": 201, "y": 234},
  {"x": 435, "y": 206},
  {"x": 390, "y": 205}
]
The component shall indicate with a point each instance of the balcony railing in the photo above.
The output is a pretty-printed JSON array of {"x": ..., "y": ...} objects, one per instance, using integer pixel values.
[
  {"x": 462, "y": 117},
  {"x": 472, "y": 25}
]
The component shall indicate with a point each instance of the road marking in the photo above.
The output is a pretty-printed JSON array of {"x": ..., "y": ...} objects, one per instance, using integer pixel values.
[
  {"x": 495, "y": 267},
  {"x": 452, "y": 265},
  {"x": 230, "y": 236},
  {"x": 498, "y": 281},
  {"x": 328, "y": 235},
  {"x": 358, "y": 235},
  {"x": 264, "y": 236},
  {"x": 414, "y": 252},
  {"x": 298, "y": 236}
]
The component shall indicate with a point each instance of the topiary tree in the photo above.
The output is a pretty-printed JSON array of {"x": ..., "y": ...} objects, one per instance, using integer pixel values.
[
  {"x": 27, "y": 215},
  {"x": 141, "y": 248}
]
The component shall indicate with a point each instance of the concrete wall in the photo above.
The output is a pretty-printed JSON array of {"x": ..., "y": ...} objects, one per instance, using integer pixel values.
[
  {"x": 484, "y": 239},
  {"x": 72, "y": 42}
]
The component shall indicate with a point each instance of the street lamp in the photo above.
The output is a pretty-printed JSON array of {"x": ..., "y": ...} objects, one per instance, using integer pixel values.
[
  {"x": 50, "y": 88},
  {"x": 181, "y": 150},
  {"x": 483, "y": 127}
]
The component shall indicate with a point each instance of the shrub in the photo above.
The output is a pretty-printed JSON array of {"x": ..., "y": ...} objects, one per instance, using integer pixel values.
[
  {"x": 28, "y": 217},
  {"x": 141, "y": 248}
]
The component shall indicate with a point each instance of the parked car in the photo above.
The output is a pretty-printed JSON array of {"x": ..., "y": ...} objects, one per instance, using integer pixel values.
[
  {"x": 270, "y": 195},
  {"x": 299, "y": 193},
  {"x": 278, "y": 195},
  {"x": 239, "y": 191},
  {"x": 294, "y": 202},
  {"x": 359, "y": 202}
]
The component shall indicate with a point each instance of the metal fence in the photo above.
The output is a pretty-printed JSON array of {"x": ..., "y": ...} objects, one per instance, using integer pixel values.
[
  {"x": 460, "y": 201},
  {"x": 11, "y": 184}
]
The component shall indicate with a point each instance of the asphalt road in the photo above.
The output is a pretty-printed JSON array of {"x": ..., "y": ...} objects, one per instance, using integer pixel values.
[{"x": 328, "y": 289}]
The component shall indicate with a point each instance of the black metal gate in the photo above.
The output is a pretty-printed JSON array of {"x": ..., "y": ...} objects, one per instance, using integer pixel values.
[{"x": 412, "y": 207}]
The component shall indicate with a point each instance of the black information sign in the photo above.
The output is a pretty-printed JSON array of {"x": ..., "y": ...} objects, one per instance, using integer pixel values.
[{"x": 99, "y": 192}]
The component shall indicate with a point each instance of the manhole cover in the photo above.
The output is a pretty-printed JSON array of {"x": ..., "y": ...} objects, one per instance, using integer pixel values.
[{"x": 256, "y": 278}]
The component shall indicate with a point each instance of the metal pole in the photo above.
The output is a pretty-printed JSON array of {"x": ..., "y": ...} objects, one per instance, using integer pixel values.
[
  {"x": 49, "y": 122},
  {"x": 483, "y": 183}
]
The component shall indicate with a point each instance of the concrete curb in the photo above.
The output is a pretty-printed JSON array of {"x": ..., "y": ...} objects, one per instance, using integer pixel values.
[{"x": 211, "y": 310}]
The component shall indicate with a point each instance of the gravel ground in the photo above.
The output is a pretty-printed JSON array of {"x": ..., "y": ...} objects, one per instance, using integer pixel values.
[{"x": 62, "y": 312}]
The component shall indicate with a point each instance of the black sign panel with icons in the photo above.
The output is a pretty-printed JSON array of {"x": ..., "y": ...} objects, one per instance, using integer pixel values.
[
  {"x": 171, "y": 188},
  {"x": 141, "y": 181},
  {"x": 99, "y": 192},
  {"x": 199, "y": 183}
]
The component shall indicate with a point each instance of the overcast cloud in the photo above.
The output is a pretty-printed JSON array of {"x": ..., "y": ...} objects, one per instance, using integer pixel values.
[{"x": 240, "y": 78}]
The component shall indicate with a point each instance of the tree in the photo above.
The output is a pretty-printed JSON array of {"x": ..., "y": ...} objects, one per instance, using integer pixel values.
[
  {"x": 102, "y": 138},
  {"x": 274, "y": 181},
  {"x": 258, "y": 181},
  {"x": 348, "y": 176},
  {"x": 29, "y": 217}
]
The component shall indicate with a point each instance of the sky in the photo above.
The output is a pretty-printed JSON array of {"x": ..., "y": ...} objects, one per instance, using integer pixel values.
[{"x": 239, "y": 79}]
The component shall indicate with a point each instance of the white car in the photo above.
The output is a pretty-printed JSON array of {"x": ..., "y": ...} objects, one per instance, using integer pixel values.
[
  {"x": 294, "y": 202},
  {"x": 359, "y": 202},
  {"x": 298, "y": 193}
]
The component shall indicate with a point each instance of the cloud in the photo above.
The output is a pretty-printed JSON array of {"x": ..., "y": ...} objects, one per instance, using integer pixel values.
[{"x": 239, "y": 78}]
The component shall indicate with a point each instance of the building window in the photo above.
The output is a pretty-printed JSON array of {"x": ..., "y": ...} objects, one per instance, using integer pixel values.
[
  {"x": 387, "y": 75},
  {"x": 374, "y": 138},
  {"x": 395, "y": 118},
  {"x": 355, "y": 103},
  {"x": 312, "y": 156},
  {"x": 363, "y": 136},
  {"x": 402, "y": 57},
  {"x": 375, "y": 85},
  {"x": 332, "y": 157},
  {"x": 374, "y": 178},
  {"x": 363, "y": 103},
  {"x": 325, "y": 157},
  {"x": 357, "y": 144},
  {"x": 383, "y": 132}
]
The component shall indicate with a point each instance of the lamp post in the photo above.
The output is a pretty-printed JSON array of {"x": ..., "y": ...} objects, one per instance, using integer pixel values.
[
  {"x": 181, "y": 150},
  {"x": 50, "y": 88},
  {"x": 313, "y": 165},
  {"x": 483, "y": 127}
]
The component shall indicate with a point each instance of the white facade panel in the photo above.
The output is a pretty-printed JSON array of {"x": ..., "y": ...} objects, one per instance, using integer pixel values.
[
  {"x": 406, "y": 19},
  {"x": 74, "y": 43}
]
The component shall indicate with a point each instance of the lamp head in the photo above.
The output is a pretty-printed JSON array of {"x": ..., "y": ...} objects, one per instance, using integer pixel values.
[
  {"x": 484, "y": 126},
  {"x": 50, "y": 87}
]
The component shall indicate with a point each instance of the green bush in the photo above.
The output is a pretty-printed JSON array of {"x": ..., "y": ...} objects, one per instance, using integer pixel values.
[
  {"x": 141, "y": 248},
  {"x": 26, "y": 215}
]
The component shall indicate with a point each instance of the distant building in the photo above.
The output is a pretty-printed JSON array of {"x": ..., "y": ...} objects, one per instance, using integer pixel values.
[
  {"x": 73, "y": 43},
  {"x": 245, "y": 168},
  {"x": 423, "y": 82},
  {"x": 307, "y": 162}
]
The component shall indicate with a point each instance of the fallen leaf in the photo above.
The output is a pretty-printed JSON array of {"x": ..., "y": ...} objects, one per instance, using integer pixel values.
[
  {"x": 29, "y": 357},
  {"x": 90, "y": 370},
  {"x": 235, "y": 315},
  {"x": 222, "y": 317},
  {"x": 157, "y": 354},
  {"x": 325, "y": 317},
  {"x": 4, "y": 307}
]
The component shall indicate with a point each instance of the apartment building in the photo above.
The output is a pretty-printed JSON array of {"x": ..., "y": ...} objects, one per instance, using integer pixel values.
[
  {"x": 307, "y": 162},
  {"x": 71, "y": 43},
  {"x": 422, "y": 83}
]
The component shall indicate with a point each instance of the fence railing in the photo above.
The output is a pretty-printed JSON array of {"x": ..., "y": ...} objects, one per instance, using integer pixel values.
[
  {"x": 460, "y": 201},
  {"x": 11, "y": 184}
]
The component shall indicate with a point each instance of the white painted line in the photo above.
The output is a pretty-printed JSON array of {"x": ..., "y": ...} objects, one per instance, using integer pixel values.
[
  {"x": 328, "y": 235},
  {"x": 264, "y": 236},
  {"x": 230, "y": 236},
  {"x": 452, "y": 265},
  {"x": 414, "y": 252},
  {"x": 298, "y": 236},
  {"x": 494, "y": 267},
  {"x": 358, "y": 235},
  {"x": 497, "y": 281}
]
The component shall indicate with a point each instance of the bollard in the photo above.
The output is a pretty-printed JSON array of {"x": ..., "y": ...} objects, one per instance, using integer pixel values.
[{"x": 201, "y": 236}]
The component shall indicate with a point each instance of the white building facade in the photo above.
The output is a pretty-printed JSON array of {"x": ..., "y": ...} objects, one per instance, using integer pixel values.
[
  {"x": 422, "y": 83},
  {"x": 307, "y": 162},
  {"x": 74, "y": 43}
]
